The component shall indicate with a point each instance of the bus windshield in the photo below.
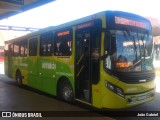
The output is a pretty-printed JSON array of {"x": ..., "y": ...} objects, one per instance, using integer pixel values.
[{"x": 129, "y": 51}]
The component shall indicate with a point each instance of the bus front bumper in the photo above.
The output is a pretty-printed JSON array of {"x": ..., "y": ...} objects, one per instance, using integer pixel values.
[{"x": 113, "y": 101}]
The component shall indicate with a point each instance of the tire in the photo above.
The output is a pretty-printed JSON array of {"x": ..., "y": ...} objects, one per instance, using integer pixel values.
[
  {"x": 19, "y": 78},
  {"x": 65, "y": 91}
]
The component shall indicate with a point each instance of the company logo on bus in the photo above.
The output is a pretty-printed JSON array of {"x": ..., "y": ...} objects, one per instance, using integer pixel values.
[{"x": 124, "y": 21}]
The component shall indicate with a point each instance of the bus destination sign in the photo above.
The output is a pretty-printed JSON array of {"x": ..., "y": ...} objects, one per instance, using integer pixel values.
[{"x": 124, "y": 21}]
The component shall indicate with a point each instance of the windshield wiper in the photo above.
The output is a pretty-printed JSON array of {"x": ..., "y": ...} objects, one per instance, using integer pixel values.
[
  {"x": 132, "y": 38},
  {"x": 135, "y": 64},
  {"x": 144, "y": 46}
]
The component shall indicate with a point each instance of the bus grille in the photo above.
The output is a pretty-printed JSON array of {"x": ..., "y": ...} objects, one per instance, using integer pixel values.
[{"x": 135, "y": 77}]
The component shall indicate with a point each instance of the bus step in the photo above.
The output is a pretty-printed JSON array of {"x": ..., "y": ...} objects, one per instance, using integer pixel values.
[{"x": 82, "y": 101}]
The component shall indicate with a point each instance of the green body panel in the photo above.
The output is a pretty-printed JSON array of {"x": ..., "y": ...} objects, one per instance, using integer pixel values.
[{"x": 43, "y": 73}]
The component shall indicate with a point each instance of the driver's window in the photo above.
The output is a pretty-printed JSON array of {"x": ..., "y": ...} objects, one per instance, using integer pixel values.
[
  {"x": 107, "y": 50},
  {"x": 107, "y": 43}
]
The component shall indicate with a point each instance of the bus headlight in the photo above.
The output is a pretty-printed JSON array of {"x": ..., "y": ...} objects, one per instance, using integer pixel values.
[{"x": 115, "y": 89}]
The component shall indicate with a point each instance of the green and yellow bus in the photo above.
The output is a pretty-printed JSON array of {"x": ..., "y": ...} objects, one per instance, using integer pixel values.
[{"x": 104, "y": 60}]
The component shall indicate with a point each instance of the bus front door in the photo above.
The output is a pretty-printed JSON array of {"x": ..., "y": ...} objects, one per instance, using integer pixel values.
[{"x": 82, "y": 63}]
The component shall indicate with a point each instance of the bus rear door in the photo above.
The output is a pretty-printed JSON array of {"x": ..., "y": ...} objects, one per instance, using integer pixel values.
[{"x": 9, "y": 65}]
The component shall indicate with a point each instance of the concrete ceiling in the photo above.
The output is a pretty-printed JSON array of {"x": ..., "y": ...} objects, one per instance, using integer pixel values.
[{"x": 12, "y": 7}]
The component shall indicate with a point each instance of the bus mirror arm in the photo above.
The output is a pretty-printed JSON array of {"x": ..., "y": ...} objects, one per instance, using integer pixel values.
[{"x": 104, "y": 56}]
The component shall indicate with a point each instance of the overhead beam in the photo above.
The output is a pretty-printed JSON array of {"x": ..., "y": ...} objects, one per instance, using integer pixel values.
[{"x": 16, "y": 28}]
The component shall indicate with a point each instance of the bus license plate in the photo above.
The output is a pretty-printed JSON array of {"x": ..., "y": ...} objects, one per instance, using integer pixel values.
[{"x": 141, "y": 97}]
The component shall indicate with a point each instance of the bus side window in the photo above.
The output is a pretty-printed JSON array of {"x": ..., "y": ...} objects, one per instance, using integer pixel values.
[
  {"x": 46, "y": 44},
  {"x": 6, "y": 50},
  {"x": 23, "y": 48},
  {"x": 63, "y": 43},
  {"x": 16, "y": 49},
  {"x": 107, "y": 43},
  {"x": 10, "y": 50},
  {"x": 33, "y": 47}
]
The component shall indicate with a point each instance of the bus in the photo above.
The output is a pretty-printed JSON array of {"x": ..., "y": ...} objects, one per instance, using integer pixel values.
[{"x": 104, "y": 60}]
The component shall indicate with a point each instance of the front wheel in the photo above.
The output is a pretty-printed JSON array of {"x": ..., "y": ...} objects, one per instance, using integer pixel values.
[{"x": 65, "y": 91}]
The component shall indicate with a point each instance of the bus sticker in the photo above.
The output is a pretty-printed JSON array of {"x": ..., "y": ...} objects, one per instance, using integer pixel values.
[
  {"x": 49, "y": 66},
  {"x": 24, "y": 65},
  {"x": 63, "y": 73}
]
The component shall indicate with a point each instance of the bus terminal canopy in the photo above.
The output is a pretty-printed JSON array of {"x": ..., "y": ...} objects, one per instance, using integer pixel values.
[{"x": 9, "y": 8}]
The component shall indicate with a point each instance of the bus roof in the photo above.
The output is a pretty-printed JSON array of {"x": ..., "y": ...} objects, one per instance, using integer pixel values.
[{"x": 76, "y": 22}]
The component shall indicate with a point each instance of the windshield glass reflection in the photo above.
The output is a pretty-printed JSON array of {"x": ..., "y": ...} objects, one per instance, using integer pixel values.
[{"x": 129, "y": 51}]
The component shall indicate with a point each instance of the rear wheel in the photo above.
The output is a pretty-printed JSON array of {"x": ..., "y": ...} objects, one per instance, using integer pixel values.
[
  {"x": 65, "y": 91},
  {"x": 19, "y": 78}
]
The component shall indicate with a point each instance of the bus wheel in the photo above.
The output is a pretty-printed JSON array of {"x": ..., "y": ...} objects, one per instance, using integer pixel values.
[
  {"x": 19, "y": 79},
  {"x": 65, "y": 91}
]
